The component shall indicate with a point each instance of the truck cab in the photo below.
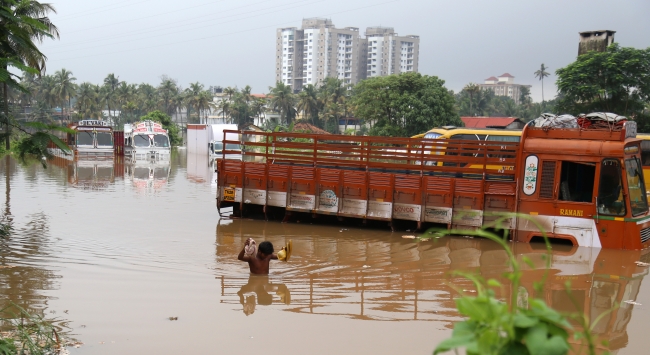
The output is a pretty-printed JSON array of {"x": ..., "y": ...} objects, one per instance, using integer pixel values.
[{"x": 583, "y": 186}]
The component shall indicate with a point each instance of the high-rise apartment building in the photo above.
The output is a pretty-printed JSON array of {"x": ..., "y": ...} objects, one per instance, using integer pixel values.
[
  {"x": 389, "y": 53},
  {"x": 319, "y": 50}
]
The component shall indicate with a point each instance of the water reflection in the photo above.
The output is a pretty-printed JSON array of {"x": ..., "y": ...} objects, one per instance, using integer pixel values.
[
  {"x": 89, "y": 174},
  {"x": 148, "y": 175},
  {"x": 355, "y": 274},
  {"x": 200, "y": 168},
  {"x": 142, "y": 175},
  {"x": 258, "y": 290}
]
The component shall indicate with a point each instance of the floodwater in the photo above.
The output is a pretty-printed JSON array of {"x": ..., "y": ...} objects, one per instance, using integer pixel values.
[{"x": 111, "y": 251}]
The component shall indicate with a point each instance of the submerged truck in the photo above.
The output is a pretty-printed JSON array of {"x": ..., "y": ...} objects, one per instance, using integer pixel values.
[
  {"x": 216, "y": 147},
  {"x": 207, "y": 139},
  {"x": 583, "y": 186}
]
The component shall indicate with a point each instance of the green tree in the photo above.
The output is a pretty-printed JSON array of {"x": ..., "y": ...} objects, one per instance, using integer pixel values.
[
  {"x": 166, "y": 91},
  {"x": 524, "y": 96},
  {"x": 22, "y": 22},
  {"x": 258, "y": 107},
  {"x": 283, "y": 101},
  {"x": 541, "y": 74},
  {"x": 192, "y": 97},
  {"x": 166, "y": 121},
  {"x": 246, "y": 95},
  {"x": 617, "y": 80},
  {"x": 472, "y": 89},
  {"x": 178, "y": 101},
  {"x": 111, "y": 83},
  {"x": 308, "y": 102},
  {"x": 64, "y": 88},
  {"x": 147, "y": 97},
  {"x": 405, "y": 104},
  {"x": 224, "y": 107},
  {"x": 85, "y": 99},
  {"x": 230, "y": 92}
]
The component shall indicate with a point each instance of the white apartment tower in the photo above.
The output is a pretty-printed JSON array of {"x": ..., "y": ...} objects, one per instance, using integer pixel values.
[
  {"x": 389, "y": 53},
  {"x": 319, "y": 50}
]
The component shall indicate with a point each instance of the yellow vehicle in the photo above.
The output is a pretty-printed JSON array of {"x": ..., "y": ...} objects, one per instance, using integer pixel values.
[
  {"x": 474, "y": 134},
  {"x": 480, "y": 134}
]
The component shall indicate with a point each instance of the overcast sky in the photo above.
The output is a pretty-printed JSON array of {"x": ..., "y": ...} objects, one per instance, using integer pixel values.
[{"x": 232, "y": 43}]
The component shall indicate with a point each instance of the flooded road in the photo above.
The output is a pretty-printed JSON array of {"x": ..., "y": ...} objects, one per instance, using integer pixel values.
[{"x": 112, "y": 251}]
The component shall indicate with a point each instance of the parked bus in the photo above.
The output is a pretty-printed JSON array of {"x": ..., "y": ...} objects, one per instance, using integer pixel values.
[
  {"x": 479, "y": 134},
  {"x": 470, "y": 134}
]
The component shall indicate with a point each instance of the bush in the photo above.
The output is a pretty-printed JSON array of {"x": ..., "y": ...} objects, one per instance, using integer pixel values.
[{"x": 494, "y": 327}]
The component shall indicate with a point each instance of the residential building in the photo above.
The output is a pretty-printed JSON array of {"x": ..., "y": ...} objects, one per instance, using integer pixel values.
[
  {"x": 504, "y": 85},
  {"x": 389, "y": 53},
  {"x": 319, "y": 50}
]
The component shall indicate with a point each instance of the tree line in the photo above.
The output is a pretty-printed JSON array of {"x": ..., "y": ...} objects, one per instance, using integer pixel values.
[{"x": 59, "y": 97}]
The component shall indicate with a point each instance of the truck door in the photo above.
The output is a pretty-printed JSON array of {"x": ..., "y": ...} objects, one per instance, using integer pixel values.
[
  {"x": 575, "y": 203},
  {"x": 561, "y": 198},
  {"x": 611, "y": 207}
]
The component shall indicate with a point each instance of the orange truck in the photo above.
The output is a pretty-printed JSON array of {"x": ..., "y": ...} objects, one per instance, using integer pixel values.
[{"x": 584, "y": 186}]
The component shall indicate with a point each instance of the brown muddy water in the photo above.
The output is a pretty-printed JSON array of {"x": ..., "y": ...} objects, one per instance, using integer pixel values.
[{"x": 112, "y": 251}]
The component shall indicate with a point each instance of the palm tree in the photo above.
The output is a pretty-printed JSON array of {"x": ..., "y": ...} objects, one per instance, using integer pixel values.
[
  {"x": 230, "y": 92},
  {"x": 257, "y": 107},
  {"x": 65, "y": 88},
  {"x": 98, "y": 103},
  {"x": 282, "y": 100},
  {"x": 246, "y": 94},
  {"x": 192, "y": 96},
  {"x": 123, "y": 94},
  {"x": 129, "y": 107},
  {"x": 45, "y": 90},
  {"x": 541, "y": 74},
  {"x": 110, "y": 82},
  {"x": 224, "y": 107},
  {"x": 147, "y": 98},
  {"x": 22, "y": 22},
  {"x": 307, "y": 101},
  {"x": 166, "y": 91},
  {"x": 471, "y": 89},
  {"x": 178, "y": 102},
  {"x": 204, "y": 101},
  {"x": 85, "y": 98},
  {"x": 334, "y": 111}
]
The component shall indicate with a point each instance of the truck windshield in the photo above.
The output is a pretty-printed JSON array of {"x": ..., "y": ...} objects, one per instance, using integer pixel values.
[
  {"x": 85, "y": 138},
  {"x": 140, "y": 140},
  {"x": 638, "y": 199},
  {"x": 160, "y": 140},
  {"x": 104, "y": 139},
  {"x": 218, "y": 147},
  {"x": 610, "y": 196}
]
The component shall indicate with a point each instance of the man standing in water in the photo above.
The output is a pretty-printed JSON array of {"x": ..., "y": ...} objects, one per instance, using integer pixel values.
[{"x": 258, "y": 262}]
